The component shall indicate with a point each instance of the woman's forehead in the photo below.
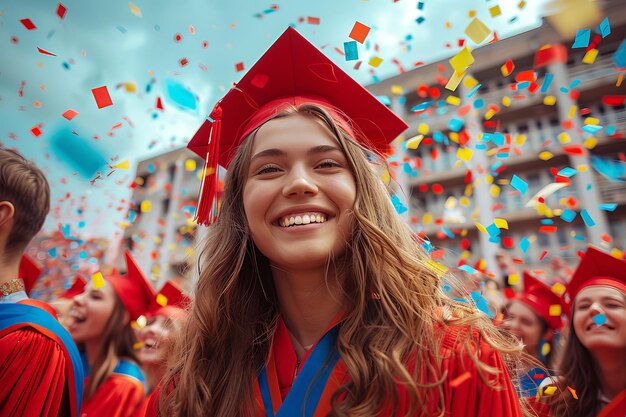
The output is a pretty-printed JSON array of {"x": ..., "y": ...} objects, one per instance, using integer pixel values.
[
  {"x": 292, "y": 132},
  {"x": 595, "y": 291}
]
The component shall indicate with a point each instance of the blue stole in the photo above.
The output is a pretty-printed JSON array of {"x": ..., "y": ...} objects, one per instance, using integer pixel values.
[
  {"x": 18, "y": 316},
  {"x": 309, "y": 385},
  {"x": 124, "y": 367}
]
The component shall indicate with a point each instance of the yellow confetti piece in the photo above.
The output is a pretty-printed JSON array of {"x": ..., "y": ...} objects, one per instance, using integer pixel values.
[
  {"x": 521, "y": 4},
  {"x": 139, "y": 181},
  {"x": 582, "y": 168},
  {"x": 471, "y": 13},
  {"x": 489, "y": 179},
  {"x": 549, "y": 100},
  {"x": 520, "y": 140},
  {"x": 620, "y": 78},
  {"x": 558, "y": 288},
  {"x": 141, "y": 321},
  {"x": 134, "y": 9},
  {"x": 438, "y": 268},
  {"x": 545, "y": 349},
  {"x": 427, "y": 219},
  {"x": 480, "y": 227},
  {"x": 423, "y": 128},
  {"x": 375, "y": 61},
  {"x": 495, "y": 11},
  {"x": 470, "y": 82},
  {"x": 591, "y": 121},
  {"x": 130, "y": 87},
  {"x": 386, "y": 177},
  {"x": 454, "y": 80},
  {"x": 450, "y": 203},
  {"x": 590, "y": 56},
  {"x": 549, "y": 390},
  {"x": 573, "y": 391},
  {"x": 506, "y": 101},
  {"x": 453, "y": 100},
  {"x": 462, "y": 60},
  {"x": 413, "y": 143},
  {"x": 190, "y": 164},
  {"x": 564, "y": 137},
  {"x": 146, "y": 206},
  {"x": 513, "y": 279},
  {"x": 464, "y": 201},
  {"x": 465, "y": 154},
  {"x": 98, "y": 280},
  {"x": 468, "y": 190},
  {"x": 123, "y": 165},
  {"x": 489, "y": 114},
  {"x": 477, "y": 31},
  {"x": 138, "y": 345},
  {"x": 161, "y": 300},
  {"x": 572, "y": 111},
  {"x": 546, "y": 155},
  {"x": 555, "y": 310},
  {"x": 447, "y": 24},
  {"x": 590, "y": 142},
  {"x": 616, "y": 253},
  {"x": 501, "y": 223},
  {"x": 454, "y": 137},
  {"x": 494, "y": 190},
  {"x": 397, "y": 90}
]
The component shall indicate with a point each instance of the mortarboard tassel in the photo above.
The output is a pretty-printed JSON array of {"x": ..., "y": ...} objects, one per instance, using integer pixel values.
[{"x": 208, "y": 204}]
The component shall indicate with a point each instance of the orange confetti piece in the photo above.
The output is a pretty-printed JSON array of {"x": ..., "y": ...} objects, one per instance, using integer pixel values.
[
  {"x": 573, "y": 391},
  {"x": 36, "y": 132},
  {"x": 359, "y": 32},
  {"x": 460, "y": 379},
  {"x": 313, "y": 20},
  {"x": 102, "y": 97},
  {"x": 69, "y": 114}
]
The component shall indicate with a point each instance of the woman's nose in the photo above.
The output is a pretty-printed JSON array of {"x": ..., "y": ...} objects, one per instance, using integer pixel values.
[
  {"x": 299, "y": 184},
  {"x": 596, "y": 309}
]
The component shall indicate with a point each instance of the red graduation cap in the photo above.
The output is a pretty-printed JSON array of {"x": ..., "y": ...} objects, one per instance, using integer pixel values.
[
  {"x": 170, "y": 301},
  {"x": 77, "y": 288},
  {"x": 29, "y": 272},
  {"x": 598, "y": 268},
  {"x": 540, "y": 297},
  {"x": 291, "y": 72},
  {"x": 133, "y": 288}
]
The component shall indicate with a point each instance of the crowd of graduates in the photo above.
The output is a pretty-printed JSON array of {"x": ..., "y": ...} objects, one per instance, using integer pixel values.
[{"x": 314, "y": 298}]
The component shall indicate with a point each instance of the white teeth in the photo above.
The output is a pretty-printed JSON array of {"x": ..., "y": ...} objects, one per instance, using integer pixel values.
[{"x": 302, "y": 219}]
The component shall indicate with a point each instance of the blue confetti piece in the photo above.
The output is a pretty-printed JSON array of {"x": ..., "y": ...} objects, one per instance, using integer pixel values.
[
  {"x": 579, "y": 237},
  {"x": 568, "y": 215},
  {"x": 564, "y": 90},
  {"x": 582, "y": 38},
  {"x": 524, "y": 243},
  {"x": 427, "y": 246},
  {"x": 604, "y": 28},
  {"x": 80, "y": 153},
  {"x": 397, "y": 204},
  {"x": 607, "y": 206},
  {"x": 479, "y": 103},
  {"x": 481, "y": 146},
  {"x": 402, "y": 100},
  {"x": 613, "y": 170},
  {"x": 619, "y": 57},
  {"x": 591, "y": 128},
  {"x": 82, "y": 254},
  {"x": 447, "y": 232},
  {"x": 493, "y": 230},
  {"x": 385, "y": 100},
  {"x": 455, "y": 124},
  {"x": 438, "y": 136},
  {"x": 481, "y": 303},
  {"x": 567, "y": 172},
  {"x": 547, "y": 221},
  {"x": 587, "y": 218},
  {"x": 422, "y": 106},
  {"x": 473, "y": 91},
  {"x": 122, "y": 29},
  {"x": 351, "y": 50},
  {"x": 53, "y": 252},
  {"x": 420, "y": 20},
  {"x": 468, "y": 269},
  {"x": 81, "y": 224},
  {"x": 65, "y": 229},
  {"x": 574, "y": 84},
  {"x": 523, "y": 84},
  {"x": 547, "y": 80},
  {"x": 151, "y": 168},
  {"x": 499, "y": 139},
  {"x": 599, "y": 319},
  {"x": 610, "y": 130},
  {"x": 420, "y": 5},
  {"x": 519, "y": 184},
  {"x": 180, "y": 95}
]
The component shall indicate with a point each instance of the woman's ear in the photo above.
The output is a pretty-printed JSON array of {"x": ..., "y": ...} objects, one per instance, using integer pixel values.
[{"x": 7, "y": 211}]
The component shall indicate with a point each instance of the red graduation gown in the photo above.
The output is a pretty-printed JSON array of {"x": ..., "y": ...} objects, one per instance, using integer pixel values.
[
  {"x": 118, "y": 396},
  {"x": 36, "y": 370},
  {"x": 616, "y": 408}
]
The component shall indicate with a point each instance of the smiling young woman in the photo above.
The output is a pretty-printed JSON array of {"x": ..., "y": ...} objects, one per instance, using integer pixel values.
[{"x": 314, "y": 298}]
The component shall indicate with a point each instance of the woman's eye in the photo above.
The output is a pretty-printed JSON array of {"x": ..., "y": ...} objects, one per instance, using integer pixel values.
[
  {"x": 267, "y": 169},
  {"x": 328, "y": 163},
  {"x": 583, "y": 307}
]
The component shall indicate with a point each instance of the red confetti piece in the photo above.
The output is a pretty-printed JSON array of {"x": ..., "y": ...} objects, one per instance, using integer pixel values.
[
  {"x": 36, "y": 132},
  {"x": 437, "y": 254},
  {"x": 102, "y": 97},
  {"x": 28, "y": 24},
  {"x": 539, "y": 376},
  {"x": 205, "y": 44},
  {"x": 398, "y": 65},
  {"x": 159, "y": 103},
  {"x": 20, "y": 92},
  {"x": 15, "y": 40},
  {"x": 61, "y": 10},
  {"x": 183, "y": 62},
  {"x": 529, "y": 75},
  {"x": 547, "y": 229},
  {"x": 239, "y": 66},
  {"x": 313, "y": 20},
  {"x": 614, "y": 100},
  {"x": 509, "y": 293},
  {"x": 574, "y": 150},
  {"x": 69, "y": 114},
  {"x": 460, "y": 379},
  {"x": 543, "y": 254},
  {"x": 567, "y": 124},
  {"x": 43, "y": 51},
  {"x": 437, "y": 189}
]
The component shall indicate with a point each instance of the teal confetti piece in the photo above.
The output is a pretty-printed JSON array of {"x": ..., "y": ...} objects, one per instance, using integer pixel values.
[
  {"x": 599, "y": 319},
  {"x": 568, "y": 215},
  {"x": 397, "y": 204},
  {"x": 455, "y": 124},
  {"x": 519, "y": 184},
  {"x": 351, "y": 50},
  {"x": 53, "y": 252},
  {"x": 468, "y": 269},
  {"x": 587, "y": 218},
  {"x": 420, "y": 20},
  {"x": 582, "y": 38},
  {"x": 447, "y": 232},
  {"x": 591, "y": 128},
  {"x": 610, "y": 130},
  {"x": 547, "y": 80},
  {"x": 481, "y": 303},
  {"x": 547, "y": 221},
  {"x": 499, "y": 139},
  {"x": 607, "y": 206},
  {"x": 604, "y": 28},
  {"x": 493, "y": 230},
  {"x": 524, "y": 243},
  {"x": 422, "y": 106},
  {"x": 473, "y": 91},
  {"x": 567, "y": 172},
  {"x": 385, "y": 100},
  {"x": 619, "y": 57}
]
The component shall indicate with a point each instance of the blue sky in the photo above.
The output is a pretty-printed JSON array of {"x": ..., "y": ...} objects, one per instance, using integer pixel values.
[{"x": 135, "y": 52}]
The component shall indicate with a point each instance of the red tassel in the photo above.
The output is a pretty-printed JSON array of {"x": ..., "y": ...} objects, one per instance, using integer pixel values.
[{"x": 208, "y": 202}]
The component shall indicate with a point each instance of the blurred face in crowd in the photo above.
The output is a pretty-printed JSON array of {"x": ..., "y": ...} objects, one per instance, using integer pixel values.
[
  {"x": 526, "y": 325},
  {"x": 299, "y": 193},
  {"x": 607, "y": 306},
  {"x": 153, "y": 336},
  {"x": 90, "y": 313}
]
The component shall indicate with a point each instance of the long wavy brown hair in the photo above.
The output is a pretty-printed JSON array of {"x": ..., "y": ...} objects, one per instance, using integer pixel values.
[
  {"x": 118, "y": 340},
  {"x": 394, "y": 306}
]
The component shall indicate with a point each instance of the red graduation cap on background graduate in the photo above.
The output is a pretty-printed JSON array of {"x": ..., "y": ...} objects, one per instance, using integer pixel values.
[
  {"x": 77, "y": 288},
  {"x": 29, "y": 272},
  {"x": 291, "y": 72},
  {"x": 134, "y": 290},
  {"x": 598, "y": 268},
  {"x": 541, "y": 298},
  {"x": 170, "y": 301}
]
